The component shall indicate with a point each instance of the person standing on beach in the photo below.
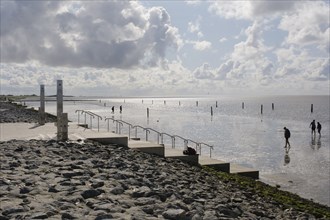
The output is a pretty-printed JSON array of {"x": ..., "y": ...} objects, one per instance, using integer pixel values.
[
  {"x": 319, "y": 127},
  {"x": 313, "y": 126},
  {"x": 113, "y": 109},
  {"x": 287, "y": 135}
]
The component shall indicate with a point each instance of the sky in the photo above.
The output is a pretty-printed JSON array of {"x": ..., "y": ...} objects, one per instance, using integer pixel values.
[{"x": 165, "y": 48}]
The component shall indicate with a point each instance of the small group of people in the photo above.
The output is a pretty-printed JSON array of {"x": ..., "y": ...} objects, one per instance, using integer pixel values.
[
  {"x": 313, "y": 126},
  {"x": 113, "y": 109}
]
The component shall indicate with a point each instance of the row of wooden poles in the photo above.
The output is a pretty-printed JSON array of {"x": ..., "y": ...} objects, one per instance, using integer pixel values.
[{"x": 216, "y": 105}]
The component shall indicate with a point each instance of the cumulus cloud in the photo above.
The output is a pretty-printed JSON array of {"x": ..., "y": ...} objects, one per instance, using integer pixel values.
[
  {"x": 200, "y": 45},
  {"x": 307, "y": 25},
  {"x": 223, "y": 39},
  {"x": 194, "y": 27},
  {"x": 204, "y": 72},
  {"x": 118, "y": 34},
  {"x": 250, "y": 9}
]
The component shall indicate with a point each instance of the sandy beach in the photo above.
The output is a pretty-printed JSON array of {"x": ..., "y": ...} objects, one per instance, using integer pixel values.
[{"x": 48, "y": 179}]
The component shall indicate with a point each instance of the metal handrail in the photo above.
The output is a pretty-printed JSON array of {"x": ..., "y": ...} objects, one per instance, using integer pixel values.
[
  {"x": 138, "y": 126},
  {"x": 185, "y": 141},
  {"x": 94, "y": 114},
  {"x": 98, "y": 119},
  {"x": 78, "y": 114},
  {"x": 91, "y": 116},
  {"x": 197, "y": 144},
  {"x": 171, "y": 136},
  {"x": 210, "y": 146},
  {"x": 129, "y": 127},
  {"x": 118, "y": 123},
  {"x": 159, "y": 134},
  {"x": 107, "y": 119}
]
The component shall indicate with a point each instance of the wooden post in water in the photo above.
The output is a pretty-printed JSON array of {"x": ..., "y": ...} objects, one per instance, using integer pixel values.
[
  {"x": 242, "y": 105},
  {"x": 179, "y": 103},
  {"x": 211, "y": 111},
  {"x": 42, "y": 105},
  {"x": 311, "y": 108},
  {"x": 216, "y": 104},
  {"x": 273, "y": 107},
  {"x": 196, "y": 103},
  {"x": 147, "y": 112},
  {"x": 164, "y": 102},
  {"x": 261, "y": 108}
]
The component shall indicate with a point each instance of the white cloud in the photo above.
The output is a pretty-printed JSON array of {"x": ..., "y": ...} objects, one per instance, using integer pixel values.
[
  {"x": 76, "y": 34},
  {"x": 223, "y": 39},
  {"x": 200, "y": 45},
  {"x": 250, "y": 9},
  {"x": 204, "y": 72},
  {"x": 231, "y": 9},
  {"x": 194, "y": 27},
  {"x": 193, "y": 2},
  {"x": 309, "y": 24}
]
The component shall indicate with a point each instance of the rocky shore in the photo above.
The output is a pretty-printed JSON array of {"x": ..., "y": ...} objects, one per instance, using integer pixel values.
[
  {"x": 87, "y": 180},
  {"x": 12, "y": 113}
]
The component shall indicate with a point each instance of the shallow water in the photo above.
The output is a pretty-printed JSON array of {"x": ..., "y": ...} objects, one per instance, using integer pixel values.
[{"x": 243, "y": 136}]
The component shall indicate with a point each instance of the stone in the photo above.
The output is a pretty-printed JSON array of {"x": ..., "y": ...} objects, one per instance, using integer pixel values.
[
  {"x": 67, "y": 216},
  {"x": 104, "y": 216},
  {"x": 141, "y": 192},
  {"x": 97, "y": 185},
  {"x": 91, "y": 193},
  {"x": 9, "y": 210},
  {"x": 39, "y": 215},
  {"x": 117, "y": 190},
  {"x": 52, "y": 189},
  {"x": 24, "y": 190},
  {"x": 174, "y": 214}
]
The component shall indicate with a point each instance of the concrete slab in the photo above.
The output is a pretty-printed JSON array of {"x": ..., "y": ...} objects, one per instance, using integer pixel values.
[
  {"x": 27, "y": 131},
  {"x": 214, "y": 164},
  {"x": 178, "y": 154},
  {"x": 244, "y": 171},
  {"x": 147, "y": 147}
]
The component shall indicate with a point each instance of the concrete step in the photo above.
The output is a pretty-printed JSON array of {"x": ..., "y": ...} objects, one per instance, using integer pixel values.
[
  {"x": 147, "y": 147},
  {"x": 178, "y": 154},
  {"x": 244, "y": 171},
  {"x": 214, "y": 164}
]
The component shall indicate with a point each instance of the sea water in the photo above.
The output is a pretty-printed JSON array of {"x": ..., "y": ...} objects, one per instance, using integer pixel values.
[{"x": 246, "y": 131}]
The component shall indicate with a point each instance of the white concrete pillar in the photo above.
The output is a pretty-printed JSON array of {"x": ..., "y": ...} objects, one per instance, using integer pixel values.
[
  {"x": 65, "y": 121},
  {"x": 59, "y": 98}
]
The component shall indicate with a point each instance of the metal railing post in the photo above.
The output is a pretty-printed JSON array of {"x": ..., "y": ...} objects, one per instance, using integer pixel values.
[{"x": 157, "y": 132}]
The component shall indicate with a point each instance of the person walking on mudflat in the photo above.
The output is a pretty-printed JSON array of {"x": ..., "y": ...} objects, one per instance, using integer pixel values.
[
  {"x": 313, "y": 126},
  {"x": 287, "y": 135},
  {"x": 319, "y": 127}
]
